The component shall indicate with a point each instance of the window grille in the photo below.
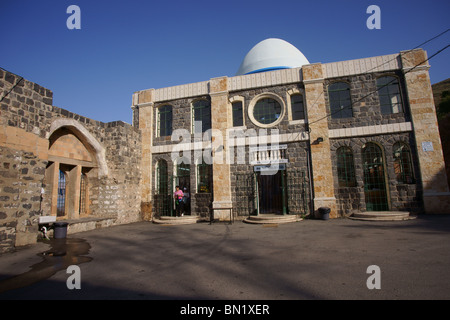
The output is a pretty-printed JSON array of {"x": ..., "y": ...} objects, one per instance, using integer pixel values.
[
  {"x": 389, "y": 95},
  {"x": 162, "y": 177},
  {"x": 61, "y": 200},
  {"x": 345, "y": 167},
  {"x": 267, "y": 111},
  {"x": 340, "y": 100},
  {"x": 83, "y": 190},
  {"x": 374, "y": 178},
  {"x": 297, "y": 108},
  {"x": 201, "y": 112},
  {"x": 165, "y": 121},
  {"x": 204, "y": 177},
  {"x": 402, "y": 163},
  {"x": 238, "y": 119}
]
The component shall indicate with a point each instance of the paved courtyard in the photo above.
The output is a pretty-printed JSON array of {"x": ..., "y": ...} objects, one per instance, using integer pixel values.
[{"x": 311, "y": 259}]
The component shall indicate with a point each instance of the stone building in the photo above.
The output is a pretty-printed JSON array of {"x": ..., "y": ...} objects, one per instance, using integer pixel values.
[
  {"x": 283, "y": 137},
  {"x": 57, "y": 163},
  {"x": 353, "y": 136}
]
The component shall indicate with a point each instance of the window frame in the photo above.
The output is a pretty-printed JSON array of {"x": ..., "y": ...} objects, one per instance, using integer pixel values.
[
  {"x": 405, "y": 154},
  {"x": 349, "y": 177},
  {"x": 158, "y": 125},
  {"x": 395, "y": 81},
  {"x": 258, "y": 98},
  {"x": 194, "y": 108},
  {"x": 159, "y": 187},
  {"x": 335, "y": 112},
  {"x": 204, "y": 177}
]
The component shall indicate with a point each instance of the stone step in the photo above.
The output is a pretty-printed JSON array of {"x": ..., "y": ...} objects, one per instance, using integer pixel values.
[
  {"x": 176, "y": 220},
  {"x": 382, "y": 216},
  {"x": 272, "y": 218}
]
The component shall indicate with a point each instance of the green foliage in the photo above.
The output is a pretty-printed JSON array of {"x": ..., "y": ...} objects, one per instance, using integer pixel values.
[{"x": 444, "y": 106}]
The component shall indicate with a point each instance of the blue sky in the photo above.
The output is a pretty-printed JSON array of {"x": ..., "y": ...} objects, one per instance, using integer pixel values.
[{"x": 127, "y": 46}]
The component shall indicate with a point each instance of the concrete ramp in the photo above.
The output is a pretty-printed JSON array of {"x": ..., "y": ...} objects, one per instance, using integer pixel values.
[
  {"x": 382, "y": 216},
  {"x": 272, "y": 218}
]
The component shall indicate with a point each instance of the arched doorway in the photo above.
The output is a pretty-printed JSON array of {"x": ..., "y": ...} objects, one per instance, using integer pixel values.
[
  {"x": 72, "y": 168},
  {"x": 375, "y": 190}
]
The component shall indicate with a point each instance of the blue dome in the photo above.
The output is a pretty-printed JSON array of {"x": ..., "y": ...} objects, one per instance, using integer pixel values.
[{"x": 272, "y": 54}]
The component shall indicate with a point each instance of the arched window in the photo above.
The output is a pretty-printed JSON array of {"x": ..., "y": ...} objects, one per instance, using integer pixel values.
[
  {"x": 389, "y": 94},
  {"x": 297, "y": 107},
  {"x": 162, "y": 177},
  {"x": 402, "y": 163},
  {"x": 340, "y": 100},
  {"x": 165, "y": 121},
  {"x": 201, "y": 116},
  {"x": 345, "y": 167},
  {"x": 61, "y": 200}
]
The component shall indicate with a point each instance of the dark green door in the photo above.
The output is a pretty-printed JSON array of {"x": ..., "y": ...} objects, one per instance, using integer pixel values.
[{"x": 374, "y": 178}]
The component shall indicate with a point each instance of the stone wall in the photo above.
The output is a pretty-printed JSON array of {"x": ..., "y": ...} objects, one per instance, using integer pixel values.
[
  {"x": 27, "y": 119},
  {"x": 21, "y": 175},
  {"x": 401, "y": 197},
  {"x": 366, "y": 103}
]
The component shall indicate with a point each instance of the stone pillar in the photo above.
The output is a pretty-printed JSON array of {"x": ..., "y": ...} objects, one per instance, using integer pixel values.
[
  {"x": 322, "y": 174},
  {"x": 144, "y": 101},
  {"x": 436, "y": 195},
  {"x": 53, "y": 176},
  {"x": 221, "y": 169}
]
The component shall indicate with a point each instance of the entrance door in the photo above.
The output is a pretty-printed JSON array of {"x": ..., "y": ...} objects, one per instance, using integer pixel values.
[
  {"x": 374, "y": 178},
  {"x": 271, "y": 195},
  {"x": 183, "y": 180}
]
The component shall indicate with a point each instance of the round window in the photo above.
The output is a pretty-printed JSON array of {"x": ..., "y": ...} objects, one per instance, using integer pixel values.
[{"x": 267, "y": 111}]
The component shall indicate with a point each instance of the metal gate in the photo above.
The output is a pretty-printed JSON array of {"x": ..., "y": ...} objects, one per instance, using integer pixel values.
[
  {"x": 374, "y": 178},
  {"x": 163, "y": 197},
  {"x": 297, "y": 191},
  {"x": 245, "y": 195}
]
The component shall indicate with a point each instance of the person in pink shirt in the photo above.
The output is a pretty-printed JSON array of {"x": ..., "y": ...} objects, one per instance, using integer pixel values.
[{"x": 178, "y": 196}]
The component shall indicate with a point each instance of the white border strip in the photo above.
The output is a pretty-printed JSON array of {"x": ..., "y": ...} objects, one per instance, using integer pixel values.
[{"x": 370, "y": 130}]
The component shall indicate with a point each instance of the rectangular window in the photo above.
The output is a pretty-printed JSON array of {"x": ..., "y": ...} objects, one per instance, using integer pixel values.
[
  {"x": 238, "y": 119},
  {"x": 61, "y": 199},
  {"x": 83, "y": 193},
  {"x": 201, "y": 114},
  {"x": 204, "y": 178},
  {"x": 340, "y": 100},
  {"x": 298, "y": 110},
  {"x": 164, "y": 121},
  {"x": 345, "y": 167},
  {"x": 389, "y": 95}
]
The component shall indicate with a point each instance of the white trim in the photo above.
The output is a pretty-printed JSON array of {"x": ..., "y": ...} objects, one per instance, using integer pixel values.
[
  {"x": 78, "y": 129},
  {"x": 370, "y": 130},
  {"x": 265, "y": 95}
]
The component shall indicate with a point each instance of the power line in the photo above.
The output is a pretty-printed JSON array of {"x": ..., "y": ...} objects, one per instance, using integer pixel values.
[
  {"x": 21, "y": 78},
  {"x": 407, "y": 51},
  {"x": 380, "y": 87}
]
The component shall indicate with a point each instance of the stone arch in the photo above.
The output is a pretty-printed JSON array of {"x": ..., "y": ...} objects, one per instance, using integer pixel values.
[{"x": 86, "y": 138}]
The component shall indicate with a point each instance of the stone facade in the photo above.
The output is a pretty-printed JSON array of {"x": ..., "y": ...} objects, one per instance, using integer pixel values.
[
  {"x": 37, "y": 140},
  {"x": 310, "y": 146},
  {"x": 116, "y": 173}
]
